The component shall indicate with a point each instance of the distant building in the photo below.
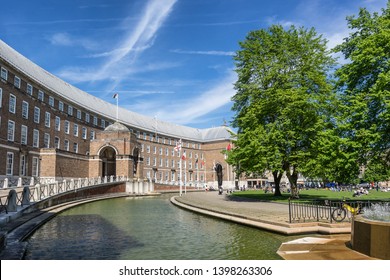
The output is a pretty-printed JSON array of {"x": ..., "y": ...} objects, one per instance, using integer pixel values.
[{"x": 53, "y": 130}]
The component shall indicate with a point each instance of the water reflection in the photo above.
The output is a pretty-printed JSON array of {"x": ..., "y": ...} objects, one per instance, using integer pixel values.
[{"x": 147, "y": 228}]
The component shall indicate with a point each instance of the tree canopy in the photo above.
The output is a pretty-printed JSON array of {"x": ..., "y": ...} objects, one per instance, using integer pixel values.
[{"x": 280, "y": 104}]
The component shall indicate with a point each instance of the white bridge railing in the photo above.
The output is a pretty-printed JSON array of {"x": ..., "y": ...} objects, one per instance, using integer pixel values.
[{"x": 13, "y": 198}]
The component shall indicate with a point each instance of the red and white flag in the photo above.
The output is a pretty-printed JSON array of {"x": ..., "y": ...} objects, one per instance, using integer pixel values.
[
  {"x": 229, "y": 147},
  {"x": 178, "y": 146},
  {"x": 183, "y": 156}
]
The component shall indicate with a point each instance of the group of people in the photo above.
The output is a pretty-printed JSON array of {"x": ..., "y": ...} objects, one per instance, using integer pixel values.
[{"x": 360, "y": 192}]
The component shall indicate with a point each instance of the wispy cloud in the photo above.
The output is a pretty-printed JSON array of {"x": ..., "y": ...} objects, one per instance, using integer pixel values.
[
  {"x": 121, "y": 59},
  {"x": 65, "y": 39},
  {"x": 190, "y": 109},
  {"x": 222, "y": 53}
]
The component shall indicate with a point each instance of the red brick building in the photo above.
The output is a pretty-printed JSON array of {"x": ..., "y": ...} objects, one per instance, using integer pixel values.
[{"x": 53, "y": 130}]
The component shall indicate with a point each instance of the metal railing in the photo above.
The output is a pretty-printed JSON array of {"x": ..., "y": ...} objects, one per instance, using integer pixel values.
[
  {"x": 330, "y": 211},
  {"x": 22, "y": 196}
]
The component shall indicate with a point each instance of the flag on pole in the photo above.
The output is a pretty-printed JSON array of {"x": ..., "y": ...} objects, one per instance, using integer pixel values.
[
  {"x": 229, "y": 147},
  {"x": 115, "y": 96},
  {"x": 178, "y": 146},
  {"x": 184, "y": 157}
]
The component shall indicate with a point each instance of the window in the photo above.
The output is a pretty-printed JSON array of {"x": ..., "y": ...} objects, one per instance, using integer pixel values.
[
  {"x": 57, "y": 123},
  {"x": 95, "y": 120},
  {"x": 66, "y": 145},
  {"x": 17, "y": 82},
  {"x": 47, "y": 119},
  {"x": 84, "y": 133},
  {"x": 1, "y": 97},
  {"x": 41, "y": 95},
  {"x": 75, "y": 147},
  {"x": 35, "y": 167},
  {"x": 70, "y": 110},
  {"x": 148, "y": 149},
  {"x": 4, "y": 73},
  {"x": 23, "y": 135},
  {"x": 78, "y": 114},
  {"x": 56, "y": 142},
  {"x": 76, "y": 130},
  {"x": 37, "y": 114},
  {"x": 29, "y": 89},
  {"x": 92, "y": 135},
  {"x": 10, "y": 164},
  {"x": 25, "y": 110},
  {"x": 36, "y": 138},
  {"x": 103, "y": 123},
  {"x": 12, "y": 103},
  {"x": 11, "y": 131},
  {"x": 87, "y": 117},
  {"x": 46, "y": 140},
  {"x": 67, "y": 127},
  {"x": 23, "y": 165},
  {"x": 61, "y": 106},
  {"x": 51, "y": 101}
]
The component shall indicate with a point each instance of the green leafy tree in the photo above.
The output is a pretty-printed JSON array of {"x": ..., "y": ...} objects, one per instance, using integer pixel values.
[
  {"x": 364, "y": 90},
  {"x": 281, "y": 100}
]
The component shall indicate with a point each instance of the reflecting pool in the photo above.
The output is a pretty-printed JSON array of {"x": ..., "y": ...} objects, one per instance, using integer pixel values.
[{"x": 147, "y": 228}]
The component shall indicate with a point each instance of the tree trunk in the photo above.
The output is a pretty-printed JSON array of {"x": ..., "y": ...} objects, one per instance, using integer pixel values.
[{"x": 277, "y": 178}]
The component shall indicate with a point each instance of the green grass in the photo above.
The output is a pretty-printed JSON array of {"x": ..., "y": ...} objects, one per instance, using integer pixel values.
[{"x": 308, "y": 195}]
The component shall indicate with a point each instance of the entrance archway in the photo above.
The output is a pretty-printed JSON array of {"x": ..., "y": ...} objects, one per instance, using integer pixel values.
[{"x": 108, "y": 159}]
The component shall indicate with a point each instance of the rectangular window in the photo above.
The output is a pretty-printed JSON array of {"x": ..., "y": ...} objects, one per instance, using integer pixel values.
[
  {"x": 23, "y": 165},
  {"x": 4, "y": 74},
  {"x": 84, "y": 133},
  {"x": 25, "y": 110},
  {"x": 51, "y": 101},
  {"x": 47, "y": 119},
  {"x": 41, "y": 95},
  {"x": 23, "y": 135},
  {"x": 103, "y": 123},
  {"x": 76, "y": 130},
  {"x": 17, "y": 82},
  {"x": 12, "y": 104},
  {"x": 61, "y": 106},
  {"x": 87, "y": 118},
  {"x": 56, "y": 142},
  {"x": 35, "y": 166},
  {"x": 75, "y": 147},
  {"x": 1, "y": 97},
  {"x": 70, "y": 110},
  {"x": 29, "y": 89},
  {"x": 11, "y": 131},
  {"x": 46, "y": 140},
  {"x": 78, "y": 114},
  {"x": 37, "y": 114},
  {"x": 36, "y": 138},
  {"x": 92, "y": 135},
  {"x": 10, "y": 164},
  {"x": 67, "y": 127},
  {"x": 66, "y": 145},
  {"x": 57, "y": 123},
  {"x": 95, "y": 120}
]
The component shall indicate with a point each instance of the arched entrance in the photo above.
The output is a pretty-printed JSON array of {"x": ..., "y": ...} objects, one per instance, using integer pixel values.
[{"x": 108, "y": 160}]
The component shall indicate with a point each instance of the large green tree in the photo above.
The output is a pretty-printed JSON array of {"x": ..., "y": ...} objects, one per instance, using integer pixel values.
[
  {"x": 281, "y": 101},
  {"x": 364, "y": 90}
]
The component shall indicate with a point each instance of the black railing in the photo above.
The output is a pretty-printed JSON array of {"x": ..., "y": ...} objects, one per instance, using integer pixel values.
[{"x": 330, "y": 211}]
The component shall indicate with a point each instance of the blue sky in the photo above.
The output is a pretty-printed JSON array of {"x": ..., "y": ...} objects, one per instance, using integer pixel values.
[{"x": 170, "y": 59}]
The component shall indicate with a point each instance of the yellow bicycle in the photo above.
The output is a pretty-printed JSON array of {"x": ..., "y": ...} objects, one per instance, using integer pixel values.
[{"x": 340, "y": 212}]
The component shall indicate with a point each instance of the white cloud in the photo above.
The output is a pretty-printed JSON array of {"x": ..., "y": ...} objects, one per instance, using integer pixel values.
[
  {"x": 190, "y": 109},
  {"x": 221, "y": 53}
]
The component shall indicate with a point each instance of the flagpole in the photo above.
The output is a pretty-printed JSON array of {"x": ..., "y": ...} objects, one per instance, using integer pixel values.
[
  {"x": 181, "y": 179},
  {"x": 117, "y": 107}
]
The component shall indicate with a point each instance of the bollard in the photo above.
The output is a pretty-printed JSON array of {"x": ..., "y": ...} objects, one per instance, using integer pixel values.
[
  {"x": 11, "y": 206},
  {"x": 26, "y": 196}
]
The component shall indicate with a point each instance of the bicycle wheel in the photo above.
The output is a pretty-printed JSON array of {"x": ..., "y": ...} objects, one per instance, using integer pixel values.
[{"x": 339, "y": 214}]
